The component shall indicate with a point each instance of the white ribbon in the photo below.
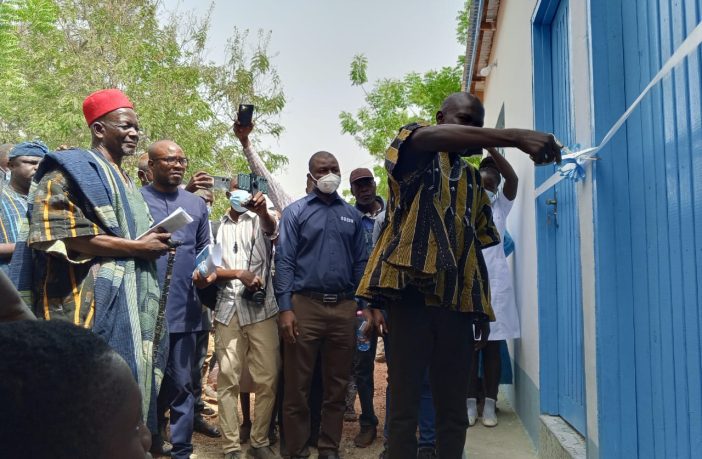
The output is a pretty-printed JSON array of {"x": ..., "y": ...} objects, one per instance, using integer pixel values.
[{"x": 686, "y": 48}]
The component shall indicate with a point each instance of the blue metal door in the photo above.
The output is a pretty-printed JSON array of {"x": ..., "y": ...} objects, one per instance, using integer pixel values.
[
  {"x": 648, "y": 223},
  {"x": 560, "y": 298}
]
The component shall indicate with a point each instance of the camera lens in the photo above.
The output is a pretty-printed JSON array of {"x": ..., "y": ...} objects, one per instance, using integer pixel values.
[{"x": 259, "y": 297}]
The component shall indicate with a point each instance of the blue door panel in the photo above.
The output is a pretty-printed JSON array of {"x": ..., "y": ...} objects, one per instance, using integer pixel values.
[
  {"x": 560, "y": 296},
  {"x": 648, "y": 220}
]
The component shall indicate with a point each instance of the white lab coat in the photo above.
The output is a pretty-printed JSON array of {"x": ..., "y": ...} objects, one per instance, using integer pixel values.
[{"x": 506, "y": 325}]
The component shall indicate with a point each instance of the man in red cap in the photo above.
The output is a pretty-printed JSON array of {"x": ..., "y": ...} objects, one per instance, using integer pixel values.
[{"x": 83, "y": 260}]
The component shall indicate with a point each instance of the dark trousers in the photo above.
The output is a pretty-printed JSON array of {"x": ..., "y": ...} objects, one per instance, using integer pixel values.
[
  {"x": 201, "y": 343},
  {"x": 364, "y": 366},
  {"x": 177, "y": 392},
  {"x": 316, "y": 399},
  {"x": 422, "y": 336},
  {"x": 427, "y": 417},
  {"x": 327, "y": 329},
  {"x": 492, "y": 368}
]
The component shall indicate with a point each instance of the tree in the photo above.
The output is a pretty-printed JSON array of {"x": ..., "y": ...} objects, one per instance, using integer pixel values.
[
  {"x": 394, "y": 102},
  {"x": 55, "y": 52}
]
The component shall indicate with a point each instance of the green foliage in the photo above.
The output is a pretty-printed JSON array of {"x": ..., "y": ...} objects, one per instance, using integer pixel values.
[
  {"x": 53, "y": 53},
  {"x": 381, "y": 177},
  {"x": 463, "y": 23},
  {"x": 359, "y": 65},
  {"x": 393, "y": 103}
]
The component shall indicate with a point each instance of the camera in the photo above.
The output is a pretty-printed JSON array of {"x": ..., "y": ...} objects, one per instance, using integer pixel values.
[
  {"x": 252, "y": 183},
  {"x": 257, "y": 296}
]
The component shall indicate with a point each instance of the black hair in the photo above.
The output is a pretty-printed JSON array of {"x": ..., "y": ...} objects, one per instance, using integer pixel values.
[
  {"x": 318, "y": 155},
  {"x": 489, "y": 164},
  {"x": 57, "y": 390},
  {"x": 458, "y": 98}
]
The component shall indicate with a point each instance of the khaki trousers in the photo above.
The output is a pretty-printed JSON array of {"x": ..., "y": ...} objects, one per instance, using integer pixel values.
[
  {"x": 328, "y": 329},
  {"x": 259, "y": 345}
]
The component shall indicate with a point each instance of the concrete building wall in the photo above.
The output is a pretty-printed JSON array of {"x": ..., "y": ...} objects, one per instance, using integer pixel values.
[{"x": 510, "y": 84}]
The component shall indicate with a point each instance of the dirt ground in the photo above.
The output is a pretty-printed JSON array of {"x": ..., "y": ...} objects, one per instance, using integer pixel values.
[{"x": 211, "y": 448}]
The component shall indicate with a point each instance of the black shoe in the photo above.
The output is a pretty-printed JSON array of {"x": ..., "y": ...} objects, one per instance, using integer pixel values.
[
  {"x": 365, "y": 437},
  {"x": 426, "y": 452},
  {"x": 206, "y": 411},
  {"x": 160, "y": 447},
  {"x": 313, "y": 440},
  {"x": 200, "y": 425},
  {"x": 272, "y": 435}
]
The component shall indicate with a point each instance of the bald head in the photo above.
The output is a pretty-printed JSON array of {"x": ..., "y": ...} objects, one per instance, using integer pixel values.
[
  {"x": 461, "y": 108},
  {"x": 4, "y": 151},
  {"x": 167, "y": 163},
  {"x": 143, "y": 163},
  {"x": 143, "y": 170},
  {"x": 162, "y": 148}
]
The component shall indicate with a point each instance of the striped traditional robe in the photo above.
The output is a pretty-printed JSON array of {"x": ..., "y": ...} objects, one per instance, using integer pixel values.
[
  {"x": 438, "y": 220},
  {"x": 78, "y": 193}
]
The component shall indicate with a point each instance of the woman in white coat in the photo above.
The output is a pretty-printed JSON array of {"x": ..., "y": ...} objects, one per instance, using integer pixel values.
[{"x": 506, "y": 325}]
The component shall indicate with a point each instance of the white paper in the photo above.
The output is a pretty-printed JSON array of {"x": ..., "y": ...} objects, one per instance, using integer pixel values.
[{"x": 175, "y": 221}]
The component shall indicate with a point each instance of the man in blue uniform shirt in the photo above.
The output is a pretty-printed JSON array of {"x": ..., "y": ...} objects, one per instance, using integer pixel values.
[
  {"x": 184, "y": 312},
  {"x": 320, "y": 258}
]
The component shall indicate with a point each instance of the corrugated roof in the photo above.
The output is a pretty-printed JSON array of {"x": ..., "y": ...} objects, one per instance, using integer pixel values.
[{"x": 479, "y": 44}]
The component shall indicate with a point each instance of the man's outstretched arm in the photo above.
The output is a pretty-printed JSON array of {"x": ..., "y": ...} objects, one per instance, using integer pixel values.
[{"x": 541, "y": 147}]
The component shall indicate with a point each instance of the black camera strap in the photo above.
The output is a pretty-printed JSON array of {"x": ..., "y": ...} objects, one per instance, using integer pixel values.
[{"x": 265, "y": 261}]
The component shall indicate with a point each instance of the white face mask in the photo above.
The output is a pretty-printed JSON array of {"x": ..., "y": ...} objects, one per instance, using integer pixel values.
[{"x": 329, "y": 183}]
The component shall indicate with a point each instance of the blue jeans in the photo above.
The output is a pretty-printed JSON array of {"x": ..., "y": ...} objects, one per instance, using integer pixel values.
[
  {"x": 364, "y": 366},
  {"x": 426, "y": 424}
]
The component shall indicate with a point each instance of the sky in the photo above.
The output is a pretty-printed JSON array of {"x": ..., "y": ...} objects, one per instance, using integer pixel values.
[{"x": 313, "y": 42}]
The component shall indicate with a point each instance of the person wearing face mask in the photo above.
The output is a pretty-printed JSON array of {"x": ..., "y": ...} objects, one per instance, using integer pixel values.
[
  {"x": 506, "y": 325},
  {"x": 202, "y": 361},
  {"x": 427, "y": 268},
  {"x": 245, "y": 316},
  {"x": 320, "y": 257}
]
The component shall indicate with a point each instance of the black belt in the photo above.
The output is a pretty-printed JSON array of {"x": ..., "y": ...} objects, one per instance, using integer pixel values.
[{"x": 327, "y": 297}]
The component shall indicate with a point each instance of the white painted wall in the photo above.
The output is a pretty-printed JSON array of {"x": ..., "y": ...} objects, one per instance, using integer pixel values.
[{"x": 510, "y": 83}]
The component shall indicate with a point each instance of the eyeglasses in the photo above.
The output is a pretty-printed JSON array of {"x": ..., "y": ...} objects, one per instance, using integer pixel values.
[
  {"x": 172, "y": 160},
  {"x": 125, "y": 127}
]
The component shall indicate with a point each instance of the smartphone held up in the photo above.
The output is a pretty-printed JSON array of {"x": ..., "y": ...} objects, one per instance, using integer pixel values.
[
  {"x": 245, "y": 115},
  {"x": 221, "y": 183}
]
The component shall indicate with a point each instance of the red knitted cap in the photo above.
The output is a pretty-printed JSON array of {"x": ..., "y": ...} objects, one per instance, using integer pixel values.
[{"x": 102, "y": 102}]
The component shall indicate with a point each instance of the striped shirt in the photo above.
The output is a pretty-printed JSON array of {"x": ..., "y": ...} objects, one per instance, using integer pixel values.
[
  {"x": 65, "y": 280},
  {"x": 438, "y": 220},
  {"x": 13, "y": 215},
  {"x": 236, "y": 239}
]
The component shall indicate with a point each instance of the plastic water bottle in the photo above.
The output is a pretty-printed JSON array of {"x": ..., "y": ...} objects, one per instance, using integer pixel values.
[{"x": 362, "y": 343}]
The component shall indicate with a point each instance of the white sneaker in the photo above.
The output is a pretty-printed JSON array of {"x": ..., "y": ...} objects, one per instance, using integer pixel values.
[
  {"x": 489, "y": 415},
  {"x": 472, "y": 406}
]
